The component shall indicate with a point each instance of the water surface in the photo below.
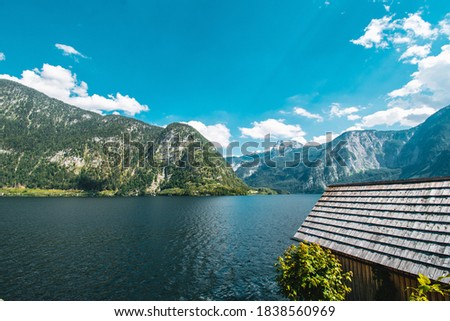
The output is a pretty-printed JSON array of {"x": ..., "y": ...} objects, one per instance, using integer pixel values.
[{"x": 146, "y": 248}]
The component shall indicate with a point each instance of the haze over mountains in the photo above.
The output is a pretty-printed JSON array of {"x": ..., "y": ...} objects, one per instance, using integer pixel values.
[{"x": 49, "y": 144}]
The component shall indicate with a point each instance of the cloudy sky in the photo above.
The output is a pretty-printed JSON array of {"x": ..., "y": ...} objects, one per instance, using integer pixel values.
[{"x": 237, "y": 70}]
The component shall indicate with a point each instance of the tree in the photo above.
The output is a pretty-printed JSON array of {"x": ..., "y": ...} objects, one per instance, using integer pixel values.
[
  {"x": 426, "y": 286},
  {"x": 309, "y": 272}
]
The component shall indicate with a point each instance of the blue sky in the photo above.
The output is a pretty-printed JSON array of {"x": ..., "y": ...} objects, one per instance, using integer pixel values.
[{"x": 237, "y": 70}]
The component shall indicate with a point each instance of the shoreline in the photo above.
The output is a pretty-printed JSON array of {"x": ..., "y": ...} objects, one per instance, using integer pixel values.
[{"x": 37, "y": 192}]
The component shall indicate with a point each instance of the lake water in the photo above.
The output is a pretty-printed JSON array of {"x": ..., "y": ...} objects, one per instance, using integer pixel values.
[{"x": 146, "y": 248}]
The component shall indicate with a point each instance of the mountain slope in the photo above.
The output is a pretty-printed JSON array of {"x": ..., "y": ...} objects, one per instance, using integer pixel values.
[
  {"x": 49, "y": 144},
  {"x": 427, "y": 153},
  {"x": 369, "y": 155}
]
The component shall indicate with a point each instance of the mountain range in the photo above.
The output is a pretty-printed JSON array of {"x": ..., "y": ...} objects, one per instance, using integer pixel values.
[
  {"x": 48, "y": 144},
  {"x": 367, "y": 155}
]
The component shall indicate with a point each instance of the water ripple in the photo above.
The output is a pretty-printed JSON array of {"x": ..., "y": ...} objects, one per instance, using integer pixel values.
[{"x": 155, "y": 248}]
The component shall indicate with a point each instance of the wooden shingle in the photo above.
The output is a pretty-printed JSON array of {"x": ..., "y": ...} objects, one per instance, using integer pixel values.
[{"x": 403, "y": 225}]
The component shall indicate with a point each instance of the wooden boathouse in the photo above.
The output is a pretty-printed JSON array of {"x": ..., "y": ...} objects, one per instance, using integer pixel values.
[{"x": 386, "y": 233}]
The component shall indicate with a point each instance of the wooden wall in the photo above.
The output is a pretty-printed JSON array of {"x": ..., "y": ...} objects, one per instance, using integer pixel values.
[{"x": 372, "y": 282}]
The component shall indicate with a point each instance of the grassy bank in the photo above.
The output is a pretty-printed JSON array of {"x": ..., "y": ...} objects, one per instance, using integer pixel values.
[{"x": 37, "y": 192}]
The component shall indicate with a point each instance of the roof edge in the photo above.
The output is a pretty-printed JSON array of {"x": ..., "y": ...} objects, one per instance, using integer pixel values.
[{"x": 402, "y": 181}]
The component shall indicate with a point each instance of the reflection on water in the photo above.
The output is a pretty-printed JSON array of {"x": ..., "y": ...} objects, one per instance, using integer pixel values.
[{"x": 149, "y": 248}]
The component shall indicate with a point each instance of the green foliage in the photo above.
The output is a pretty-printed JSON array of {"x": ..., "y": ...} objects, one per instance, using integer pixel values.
[
  {"x": 49, "y": 145},
  {"x": 265, "y": 191},
  {"x": 87, "y": 182},
  {"x": 309, "y": 272},
  {"x": 35, "y": 192},
  {"x": 426, "y": 287}
]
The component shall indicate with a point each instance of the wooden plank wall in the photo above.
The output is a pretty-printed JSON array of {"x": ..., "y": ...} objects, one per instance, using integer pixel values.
[{"x": 365, "y": 287}]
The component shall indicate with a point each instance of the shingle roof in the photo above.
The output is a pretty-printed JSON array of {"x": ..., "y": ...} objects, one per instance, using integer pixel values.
[{"x": 404, "y": 225}]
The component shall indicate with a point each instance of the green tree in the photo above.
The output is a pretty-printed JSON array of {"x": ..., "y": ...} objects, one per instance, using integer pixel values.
[
  {"x": 309, "y": 272},
  {"x": 426, "y": 286}
]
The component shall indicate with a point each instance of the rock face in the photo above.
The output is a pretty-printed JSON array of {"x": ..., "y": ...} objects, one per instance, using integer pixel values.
[
  {"x": 427, "y": 153},
  {"x": 49, "y": 144},
  {"x": 369, "y": 155}
]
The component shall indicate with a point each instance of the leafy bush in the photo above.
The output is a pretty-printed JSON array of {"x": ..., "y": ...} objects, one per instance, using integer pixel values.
[
  {"x": 309, "y": 272},
  {"x": 426, "y": 286}
]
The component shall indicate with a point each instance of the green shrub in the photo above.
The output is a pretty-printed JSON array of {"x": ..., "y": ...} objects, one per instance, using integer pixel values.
[
  {"x": 426, "y": 286},
  {"x": 309, "y": 272}
]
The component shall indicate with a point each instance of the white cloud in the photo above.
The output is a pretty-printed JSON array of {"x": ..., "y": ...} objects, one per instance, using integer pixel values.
[
  {"x": 404, "y": 117},
  {"x": 276, "y": 128},
  {"x": 416, "y": 53},
  {"x": 419, "y": 27},
  {"x": 69, "y": 50},
  {"x": 387, "y": 8},
  {"x": 322, "y": 139},
  {"x": 303, "y": 112},
  {"x": 394, "y": 116},
  {"x": 218, "y": 133},
  {"x": 428, "y": 88},
  {"x": 399, "y": 39},
  {"x": 444, "y": 26},
  {"x": 429, "y": 84},
  {"x": 353, "y": 128},
  {"x": 381, "y": 33},
  {"x": 2, "y": 56},
  {"x": 337, "y": 111},
  {"x": 60, "y": 83},
  {"x": 353, "y": 117},
  {"x": 374, "y": 33}
]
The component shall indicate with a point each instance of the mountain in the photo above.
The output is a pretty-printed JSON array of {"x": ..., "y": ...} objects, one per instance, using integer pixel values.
[
  {"x": 48, "y": 144},
  {"x": 367, "y": 155},
  {"x": 427, "y": 153}
]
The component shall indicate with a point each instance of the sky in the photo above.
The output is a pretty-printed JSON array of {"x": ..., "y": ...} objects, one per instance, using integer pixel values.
[{"x": 237, "y": 70}]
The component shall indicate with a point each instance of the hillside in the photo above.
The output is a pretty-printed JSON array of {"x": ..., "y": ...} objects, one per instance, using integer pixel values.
[
  {"x": 427, "y": 153},
  {"x": 48, "y": 144}
]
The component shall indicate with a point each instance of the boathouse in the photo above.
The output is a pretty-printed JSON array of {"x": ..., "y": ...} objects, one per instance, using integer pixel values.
[{"x": 385, "y": 232}]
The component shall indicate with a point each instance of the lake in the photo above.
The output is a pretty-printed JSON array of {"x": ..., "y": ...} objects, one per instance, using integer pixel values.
[{"x": 146, "y": 248}]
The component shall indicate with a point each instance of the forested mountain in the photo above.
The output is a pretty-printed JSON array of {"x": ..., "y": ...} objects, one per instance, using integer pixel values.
[
  {"x": 51, "y": 145},
  {"x": 368, "y": 155}
]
